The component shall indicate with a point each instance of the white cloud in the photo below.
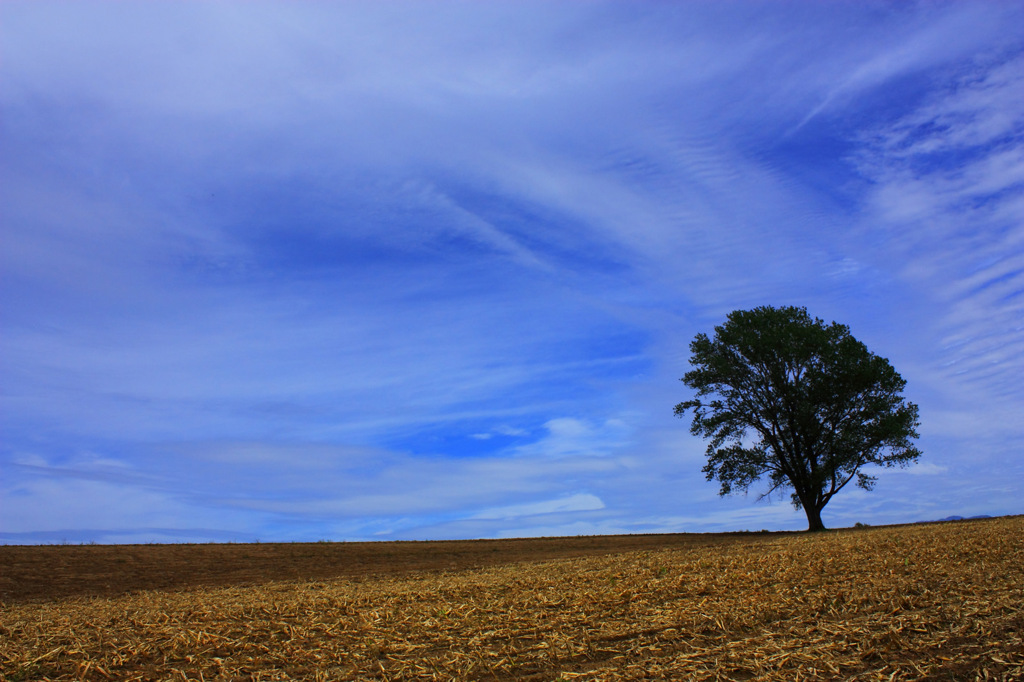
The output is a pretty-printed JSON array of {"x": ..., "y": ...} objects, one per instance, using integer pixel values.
[
  {"x": 511, "y": 431},
  {"x": 573, "y": 503},
  {"x": 43, "y": 505},
  {"x": 923, "y": 41},
  {"x": 571, "y": 437},
  {"x": 322, "y": 236},
  {"x": 924, "y": 469},
  {"x": 947, "y": 201}
]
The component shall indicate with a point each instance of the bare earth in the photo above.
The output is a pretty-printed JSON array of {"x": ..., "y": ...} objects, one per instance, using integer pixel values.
[
  {"x": 927, "y": 602},
  {"x": 44, "y": 572}
]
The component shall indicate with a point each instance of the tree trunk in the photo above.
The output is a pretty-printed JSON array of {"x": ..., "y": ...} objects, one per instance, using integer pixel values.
[{"x": 813, "y": 518}]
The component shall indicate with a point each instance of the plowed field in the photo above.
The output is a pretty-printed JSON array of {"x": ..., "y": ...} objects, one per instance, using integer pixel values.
[
  {"x": 55, "y": 571},
  {"x": 938, "y": 601}
]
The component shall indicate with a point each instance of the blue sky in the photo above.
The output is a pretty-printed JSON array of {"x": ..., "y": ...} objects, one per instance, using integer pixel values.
[{"x": 307, "y": 271}]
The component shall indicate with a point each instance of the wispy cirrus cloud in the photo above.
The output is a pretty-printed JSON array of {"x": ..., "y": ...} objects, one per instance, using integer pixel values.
[
  {"x": 947, "y": 202},
  {"x": 374, "y": 270}
]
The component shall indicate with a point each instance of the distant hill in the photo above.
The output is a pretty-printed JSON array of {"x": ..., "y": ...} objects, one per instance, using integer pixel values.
[{"x": 959, "y": 518}]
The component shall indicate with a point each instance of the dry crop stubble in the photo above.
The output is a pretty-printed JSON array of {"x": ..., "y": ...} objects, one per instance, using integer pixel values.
[{"x": 938, "y": 601}]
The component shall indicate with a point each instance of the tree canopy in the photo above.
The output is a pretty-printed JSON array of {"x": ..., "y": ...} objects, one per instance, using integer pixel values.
[{"x": 798, "y": 401}]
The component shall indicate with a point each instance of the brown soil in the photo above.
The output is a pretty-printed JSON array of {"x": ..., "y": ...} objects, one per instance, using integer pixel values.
[
  {"x": 45, "y": 572},
  {"x": 928, "y": 602}
]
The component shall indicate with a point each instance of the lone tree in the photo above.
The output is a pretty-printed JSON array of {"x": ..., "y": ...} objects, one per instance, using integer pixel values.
[{"x": 796, "y": 400}]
